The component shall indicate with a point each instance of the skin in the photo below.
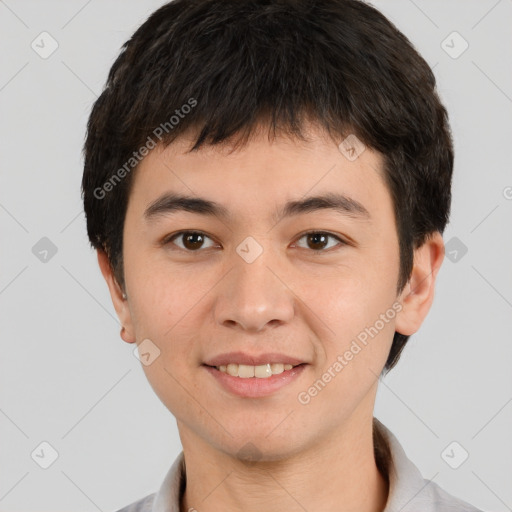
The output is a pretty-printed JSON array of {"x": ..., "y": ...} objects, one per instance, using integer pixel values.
[{"x": 293, "y": 299}]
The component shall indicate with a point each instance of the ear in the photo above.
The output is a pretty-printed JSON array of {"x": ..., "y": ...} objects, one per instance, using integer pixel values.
[
  {"x": 417, "y": 296},
  {"x": 116, "y": 293}
]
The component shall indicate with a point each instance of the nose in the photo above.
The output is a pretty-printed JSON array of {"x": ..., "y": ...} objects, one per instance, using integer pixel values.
[{"x": 254, "y": 295}]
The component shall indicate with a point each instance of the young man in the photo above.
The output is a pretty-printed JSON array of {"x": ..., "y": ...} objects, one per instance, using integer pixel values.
[{"x": 266, "y": 184}]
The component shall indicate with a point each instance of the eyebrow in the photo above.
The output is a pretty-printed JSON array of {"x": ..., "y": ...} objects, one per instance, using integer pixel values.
[{"x": 171, "y": 202}]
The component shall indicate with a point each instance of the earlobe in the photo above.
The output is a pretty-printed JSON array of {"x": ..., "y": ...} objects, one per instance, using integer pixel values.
[
  {"x": 418, "y": 294},
  {"x": 119, "y": 299}
]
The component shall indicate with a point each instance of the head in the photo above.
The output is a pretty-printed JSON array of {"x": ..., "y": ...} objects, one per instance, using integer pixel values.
[{"x": 245, "y": 103}]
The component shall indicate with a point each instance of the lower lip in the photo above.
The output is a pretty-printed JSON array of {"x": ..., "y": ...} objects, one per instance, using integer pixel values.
[{"x": 254, "y": 387}]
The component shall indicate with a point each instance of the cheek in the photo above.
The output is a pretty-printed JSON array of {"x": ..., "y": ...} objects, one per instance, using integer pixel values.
[
  {"x": 350, "y": 297},
  {"x": 162, "y": 295},
  {"x": 354, "y": 353},
  {"x": 354, "y": 309},
  {"x": 165, "y": 313},
  {"x": 361, "y": 329},
  {"x": 171, "y": 309}
]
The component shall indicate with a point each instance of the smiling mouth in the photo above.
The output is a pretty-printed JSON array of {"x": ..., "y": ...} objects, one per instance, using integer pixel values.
[{"x": 262, "y": 371}]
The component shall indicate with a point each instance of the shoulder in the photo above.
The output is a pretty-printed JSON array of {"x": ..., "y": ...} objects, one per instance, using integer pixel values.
[
  {"x": 168, "y": 496},
  {"x": 444, "y": 502},
  {"x": 143, "y": 505},
  {"x": 408, "y": 490}
]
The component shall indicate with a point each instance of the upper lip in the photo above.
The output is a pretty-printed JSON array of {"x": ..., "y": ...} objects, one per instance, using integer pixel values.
[{"x": 252, "y": 360}]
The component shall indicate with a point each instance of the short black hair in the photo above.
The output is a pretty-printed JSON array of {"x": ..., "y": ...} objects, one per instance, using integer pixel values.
[{"x": 222, "y": 66}]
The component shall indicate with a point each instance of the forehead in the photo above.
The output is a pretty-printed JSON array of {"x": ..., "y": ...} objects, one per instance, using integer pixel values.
[{"x": 261, "y": 174}]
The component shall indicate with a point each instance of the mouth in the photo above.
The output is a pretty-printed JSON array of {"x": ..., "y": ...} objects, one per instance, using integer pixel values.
[
  {"x": 255, "y": 381},
  {"x": 262, "y": 371}
]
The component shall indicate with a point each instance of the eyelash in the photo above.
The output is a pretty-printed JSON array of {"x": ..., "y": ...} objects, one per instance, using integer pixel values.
[{"x": 169, "y": 239}]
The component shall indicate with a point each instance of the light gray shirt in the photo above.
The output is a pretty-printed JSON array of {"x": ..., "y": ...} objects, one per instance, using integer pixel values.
[{"x": 408, "y": 490}]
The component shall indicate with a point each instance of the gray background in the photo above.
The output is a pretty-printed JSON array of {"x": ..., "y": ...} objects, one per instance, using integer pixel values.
[{"x": 67, "y": 378}]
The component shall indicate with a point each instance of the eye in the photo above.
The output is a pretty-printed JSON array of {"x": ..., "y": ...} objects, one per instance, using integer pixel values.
[
  {"x": 317, "y": 240},
  {"x": 192, "y": 240}
]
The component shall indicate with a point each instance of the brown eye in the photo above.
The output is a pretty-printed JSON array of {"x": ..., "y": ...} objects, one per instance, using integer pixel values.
[
  {"x": 191, "y": 240},
  {"x": 318, "y": 240}
]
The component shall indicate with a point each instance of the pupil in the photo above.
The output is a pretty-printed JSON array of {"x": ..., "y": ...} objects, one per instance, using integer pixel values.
[
  {"x": 315, "y": 237},
  {"x": 189, "y": 237}
]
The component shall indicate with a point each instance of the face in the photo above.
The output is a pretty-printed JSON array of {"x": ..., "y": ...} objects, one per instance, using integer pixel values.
[{"x": 247, "y": 280}]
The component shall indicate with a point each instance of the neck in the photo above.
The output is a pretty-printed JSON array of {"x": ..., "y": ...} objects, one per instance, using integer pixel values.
[{"x": 338, "y": 473}]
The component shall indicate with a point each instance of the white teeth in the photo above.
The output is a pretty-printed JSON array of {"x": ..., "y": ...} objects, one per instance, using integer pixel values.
[{"x": 246, "y": 371}]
